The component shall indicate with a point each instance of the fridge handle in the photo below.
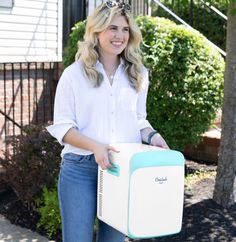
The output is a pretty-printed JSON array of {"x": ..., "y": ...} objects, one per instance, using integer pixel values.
[{"x": 114, "y": 170}]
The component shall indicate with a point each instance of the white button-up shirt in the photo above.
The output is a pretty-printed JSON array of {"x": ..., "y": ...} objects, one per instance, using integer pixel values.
[{"x": 109, "y": 113}]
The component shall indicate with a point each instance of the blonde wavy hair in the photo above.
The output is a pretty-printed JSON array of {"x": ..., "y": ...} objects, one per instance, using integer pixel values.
[{"x": 88, "y": 51}]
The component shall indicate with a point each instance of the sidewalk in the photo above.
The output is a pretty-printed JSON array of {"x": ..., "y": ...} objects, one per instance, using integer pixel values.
[{"x": 13, "y": 233}]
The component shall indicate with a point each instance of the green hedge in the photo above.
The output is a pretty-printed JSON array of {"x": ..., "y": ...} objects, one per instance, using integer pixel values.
[
  {"x": 71, "y": 47},
  {"x": 186, "y": 78},
  {"x": 186, "y": 75}
]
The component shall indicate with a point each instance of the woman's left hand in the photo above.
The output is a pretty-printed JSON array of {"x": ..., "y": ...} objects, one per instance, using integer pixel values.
[{"x": 157, "y": 140}]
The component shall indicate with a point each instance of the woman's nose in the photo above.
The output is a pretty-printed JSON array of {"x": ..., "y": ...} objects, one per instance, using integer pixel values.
[{"x": 119, "y": 34}]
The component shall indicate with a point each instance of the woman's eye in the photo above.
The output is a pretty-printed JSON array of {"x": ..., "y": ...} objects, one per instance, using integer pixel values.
[{"x": 113, "y": 27}]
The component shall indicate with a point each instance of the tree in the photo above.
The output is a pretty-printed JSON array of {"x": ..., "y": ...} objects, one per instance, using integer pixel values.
[{"x": 224, "y": 186}]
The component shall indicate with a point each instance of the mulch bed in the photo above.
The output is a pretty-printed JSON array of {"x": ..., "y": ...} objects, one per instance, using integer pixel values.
[{"x": 203, "y": 219}]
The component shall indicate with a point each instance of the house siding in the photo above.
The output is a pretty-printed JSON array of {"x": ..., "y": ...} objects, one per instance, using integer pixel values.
[{"x": 31, "y": 31}]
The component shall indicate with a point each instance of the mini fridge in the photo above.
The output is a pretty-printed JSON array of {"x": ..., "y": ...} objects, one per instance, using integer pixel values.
[{"x": 142, "y": 194}]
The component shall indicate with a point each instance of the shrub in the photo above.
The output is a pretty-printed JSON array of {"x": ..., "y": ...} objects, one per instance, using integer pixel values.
[
  {"x": 34, "y": 164},
  {"x": 71, "y": 47},
  {"x": 186, "y": 79},
  {"x": 48, "y": 208}
]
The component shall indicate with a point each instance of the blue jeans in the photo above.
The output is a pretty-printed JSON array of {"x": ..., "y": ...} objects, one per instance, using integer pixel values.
[{"x": 77, "y": 188}]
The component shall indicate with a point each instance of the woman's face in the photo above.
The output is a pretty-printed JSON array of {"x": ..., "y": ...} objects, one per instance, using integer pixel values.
[{"x": 114, "y": 39}]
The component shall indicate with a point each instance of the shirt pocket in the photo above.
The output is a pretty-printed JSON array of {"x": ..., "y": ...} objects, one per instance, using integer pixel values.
[{"x": 127, "y": 99}]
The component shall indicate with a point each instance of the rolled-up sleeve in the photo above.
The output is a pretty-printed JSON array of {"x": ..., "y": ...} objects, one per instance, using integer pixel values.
[
  {"x": 64, "y": 109},
  {"x": 141, "y": 104}
]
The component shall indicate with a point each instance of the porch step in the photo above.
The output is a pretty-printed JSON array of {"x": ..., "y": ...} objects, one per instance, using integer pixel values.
[{"x": 208, "y": 149}]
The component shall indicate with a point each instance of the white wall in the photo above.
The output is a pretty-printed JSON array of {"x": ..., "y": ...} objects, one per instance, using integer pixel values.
[{"x": 31, "y": 31}]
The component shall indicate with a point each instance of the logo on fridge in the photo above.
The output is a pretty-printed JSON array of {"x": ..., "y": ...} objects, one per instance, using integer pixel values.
[{"x": 161, "y": 180}]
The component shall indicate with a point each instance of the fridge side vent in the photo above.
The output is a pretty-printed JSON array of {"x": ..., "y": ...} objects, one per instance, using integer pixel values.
[
  {"x": 100, "y": 205},
  {"x": 101, "y": 182},
  {"x": 100, "y": 192}
]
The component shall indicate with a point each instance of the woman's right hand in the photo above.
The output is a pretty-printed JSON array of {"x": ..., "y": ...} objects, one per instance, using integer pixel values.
[{"x": 101, "y": 154}]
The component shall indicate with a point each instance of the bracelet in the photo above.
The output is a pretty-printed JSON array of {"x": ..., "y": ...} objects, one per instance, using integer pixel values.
[{"x": 150, "y": 135}]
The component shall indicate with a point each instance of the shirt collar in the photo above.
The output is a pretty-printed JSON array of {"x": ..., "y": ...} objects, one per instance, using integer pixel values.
[{"x": 99, "y": 64}]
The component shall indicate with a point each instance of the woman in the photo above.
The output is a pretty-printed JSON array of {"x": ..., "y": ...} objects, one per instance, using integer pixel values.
[{"x": 100, "y": 99}]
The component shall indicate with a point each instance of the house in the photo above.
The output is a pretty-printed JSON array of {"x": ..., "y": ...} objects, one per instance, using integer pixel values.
[
  {"x": 30, "y": 30},
  {"x": 30, "y": 50}
]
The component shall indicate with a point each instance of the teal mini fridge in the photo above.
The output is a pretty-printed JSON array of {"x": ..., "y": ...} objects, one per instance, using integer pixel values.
[{"x": 142, "y": 194}]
